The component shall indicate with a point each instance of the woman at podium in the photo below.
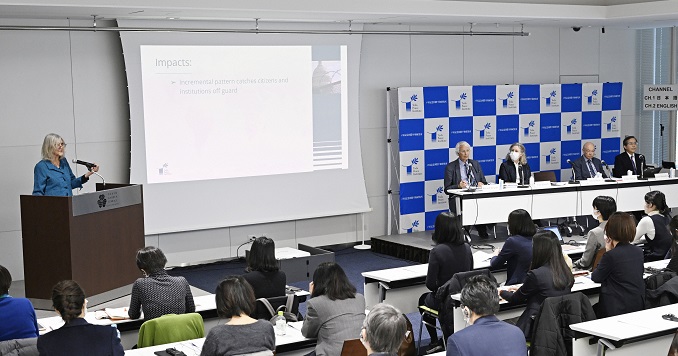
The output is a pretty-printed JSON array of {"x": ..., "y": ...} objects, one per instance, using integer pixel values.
[{"x": 52, "y": 175}]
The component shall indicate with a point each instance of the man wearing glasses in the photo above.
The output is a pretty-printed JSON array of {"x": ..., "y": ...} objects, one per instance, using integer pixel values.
[
  {"x": 628, "y": 160},
  {"x": 587, "y": 166}
]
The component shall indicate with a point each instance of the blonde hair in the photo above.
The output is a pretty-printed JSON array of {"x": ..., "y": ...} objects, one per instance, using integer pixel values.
[
  {"x": 50, "y": 143},
  {"x": 523, "y": 159}
]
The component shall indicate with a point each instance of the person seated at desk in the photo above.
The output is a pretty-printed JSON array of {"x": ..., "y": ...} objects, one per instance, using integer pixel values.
[
  {"x": 77, "y": 336},
  {"x": 620, "y": 270},
  {"x": 654, "y": 227},
  {"x": 158, "y": 293},
  {"x": 462, "y": 173},
  {"x": 515, "y": 168},
  {"x": 517, "y": 250},
  {"x": 450, "y": 255},
  {"x": 335, "y": 312},
  {"x": 549, "y": 276},
  {"x": 628, "y": 160},
  {"x": 17, "y": 316},
  {"x": 53, "y": 176},
  {"x": 486, "y": 335},
  {"x": 241, "y": 334},
  {"x": 384, "y": 330},
  {"x": 262, "y": 272},
  {"x": 603, "y": 207},
  {"x": 588, "y": 165},
  {"x": 673, "y": 226}
]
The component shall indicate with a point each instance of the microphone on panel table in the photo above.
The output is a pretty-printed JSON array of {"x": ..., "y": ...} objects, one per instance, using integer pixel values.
[
  {"x": 473, "y": 182},
  {"x": 607, "y": 171},
  {"x": 641, "y": 171},
  {"x": 574, "y": 177},
  {"x": 521, "y": 177}
]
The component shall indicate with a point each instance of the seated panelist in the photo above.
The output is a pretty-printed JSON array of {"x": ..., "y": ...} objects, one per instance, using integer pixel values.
[
  {"x": 515, "y": 168},
  {"x": 628, "y": 160},
  {"x": 588, "y": 165}
]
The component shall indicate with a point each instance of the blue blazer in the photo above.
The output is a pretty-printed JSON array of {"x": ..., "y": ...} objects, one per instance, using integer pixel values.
[
  {"x": 517, "y": 254},
  {"x": 79, "y": 337},
  {"x": 53, "y": 181},
  {"x": 18, "y": 319},
  {"x": 503, "y": 339},
  {"x": 581, "y": 168}
]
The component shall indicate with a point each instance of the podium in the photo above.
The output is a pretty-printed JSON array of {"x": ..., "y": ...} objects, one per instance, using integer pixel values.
[{"x": 91, "y": 238}]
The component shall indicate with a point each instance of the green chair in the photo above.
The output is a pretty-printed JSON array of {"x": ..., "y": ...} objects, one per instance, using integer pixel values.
[{"x": 171, "y": 328}]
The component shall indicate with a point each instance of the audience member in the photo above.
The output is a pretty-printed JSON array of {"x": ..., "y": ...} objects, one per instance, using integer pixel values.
[
  {"x": 620, "y": 270},
  {"x": 263, "y": 273},
  {"x": 335, "y": 312},
  {"x": 652, "y": 229},
  {"x": 515, "y": 168},
  {"x": 77, "y": 336},
  {"x": 17, "y": 316},
  {"x": 158, "y": 293},
  {"x": 486, "y": 335},
  {"x": 383, "y": 330},
  {"x": 549, "y": 276},
  {"x": 673, "y": 226},
  {"x": 517, "y": 250},
  {"x": 603, "y": 207},
  {"x": 449, "y": 256},
  {"x": 241, "y": 334}
]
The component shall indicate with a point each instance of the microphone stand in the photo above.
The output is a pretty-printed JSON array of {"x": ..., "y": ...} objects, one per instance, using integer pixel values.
[
  {"x": 609, "y": 173},
  {"x": 642, "y": 168},
  {"x": 522, "y": 178},
  {"x": 574, "y": 176}
]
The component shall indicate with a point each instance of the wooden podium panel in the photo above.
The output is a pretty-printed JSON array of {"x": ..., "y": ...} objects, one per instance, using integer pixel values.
[{"x": 91, "y": 238}]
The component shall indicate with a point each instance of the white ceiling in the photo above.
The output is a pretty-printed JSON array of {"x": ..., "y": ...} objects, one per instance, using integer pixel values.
[{"x": 560, "y": 13}]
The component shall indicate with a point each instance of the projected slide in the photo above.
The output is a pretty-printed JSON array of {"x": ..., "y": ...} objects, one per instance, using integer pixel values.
[{"x": 213, "y": 112}]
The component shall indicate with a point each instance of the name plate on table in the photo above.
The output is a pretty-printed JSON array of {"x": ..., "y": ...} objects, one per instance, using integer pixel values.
[
  {"x": 630, "y": 178},
  {"x": 592, "y": 181},
  {"x": 490, "y": 187},
  {"x": 662, "y": 176},
  {"x": 106, "y": 200},
  {"x": 542, "y": 183}
]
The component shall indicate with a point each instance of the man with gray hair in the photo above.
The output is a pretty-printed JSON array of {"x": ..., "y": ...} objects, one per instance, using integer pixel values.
[
  {"x": 384, "y": 330},
  {"x": 463, "y": 173}
]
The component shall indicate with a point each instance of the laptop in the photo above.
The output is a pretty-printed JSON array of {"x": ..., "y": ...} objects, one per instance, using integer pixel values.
[{"x": 555, "y": 231}]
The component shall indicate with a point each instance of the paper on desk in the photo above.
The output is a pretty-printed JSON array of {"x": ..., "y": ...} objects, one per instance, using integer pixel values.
[
  {"x": 117, "y": 313},
  {"x": 583, "y": 280},
  {"x": 481, "y": 256}
]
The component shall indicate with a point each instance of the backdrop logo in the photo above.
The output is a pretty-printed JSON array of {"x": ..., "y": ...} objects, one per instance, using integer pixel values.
[
  {"x": 505, "y": 101},
  {"x": 485, "y": 133},
  {"x": 102, "y": 201},
  {"x": 612, "y": 125},
  {"x": 437, "y": 135},
  {"x": 412, "y": 105},
  {"x": 593, "y": 98},
  {"x": 529, "y": 130},
  {"x": 550, "y": 98},
  {"x": 415, "y": 224},
  {"x": 164, "y": 170},
  {"x": 572, "y": 127},
  {"x": 438, "y": 196},
  {"x": 461, "y": 102},
  {"x": 551, "y": 156},
  {"x": 413, "y": 168}
]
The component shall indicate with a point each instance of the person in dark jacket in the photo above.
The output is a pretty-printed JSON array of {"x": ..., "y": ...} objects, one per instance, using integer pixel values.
[
  {"x": 449, "y": 256},
  {"x": 620, "y": 270},
  {"x": 551, "y": 334},
  {"x": 262, "y": 272},
  {"x": 673, "y": 263},
  {"x": 549, "y": 276},
  {"x": 653, "y": 228},
  {"x": 517, "y": 250},
  {"x": 486, "y": 335},
  {"x": 515, "y": 168}
]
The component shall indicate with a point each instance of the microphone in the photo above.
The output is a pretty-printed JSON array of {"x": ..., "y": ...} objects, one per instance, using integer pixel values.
[
  {"x": 470, "y": 172},
  {"x": 520, "y": 174},
  {"x": 86, "y": 164},
  {"x": 642, "y": 166},
  {"x": 574, "y": 176},
  {"x": 609, "y": 172}
]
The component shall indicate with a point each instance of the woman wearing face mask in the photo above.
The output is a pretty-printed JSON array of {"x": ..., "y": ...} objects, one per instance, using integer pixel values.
[
  {"x": 603, "y": 207},
  {"x": 515, "y": 167},
  {"x": 654, "y": 227}
]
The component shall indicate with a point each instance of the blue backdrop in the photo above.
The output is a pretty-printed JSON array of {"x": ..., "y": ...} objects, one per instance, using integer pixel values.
[{"x": 551, "y": 120}]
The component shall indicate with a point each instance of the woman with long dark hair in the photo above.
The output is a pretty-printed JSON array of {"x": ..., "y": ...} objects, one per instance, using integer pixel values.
[
  {"x": 335, "y": 312},
  {"x": 653, "y": 227},
  {"x": 77, "y": 336},
  {"x": 549, "y": 276},
  {"x": 517, "y": 250},
  {"x": 262, "y": 272}
]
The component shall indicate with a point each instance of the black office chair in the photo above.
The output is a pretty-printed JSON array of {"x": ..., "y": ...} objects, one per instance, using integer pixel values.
[{"x": 262, "y": 312}]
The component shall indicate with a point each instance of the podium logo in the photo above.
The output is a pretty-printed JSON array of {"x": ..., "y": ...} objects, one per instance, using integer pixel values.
[
  {"x": 458, "y": 103},
  {"x": 612, "y": 125},
  {"x": 164, "y": 170},
  {"x": 485, "y": 132},
  {"x": 437, "y": 134},
  {"x": 413, "y": 168},
  {"x": 593, "y": 98},
  {"x": 415, "y": 225},
  {"x": 412, "y": 105},
  {"x": 529, "y": 130},
  {"x": 551, "y": 156},
  {"x": 505, "y": 101},
  {"x": 550, "y": 98},
  {"x": 572, "y": 128},
  {"x": 102, "y": 201}
]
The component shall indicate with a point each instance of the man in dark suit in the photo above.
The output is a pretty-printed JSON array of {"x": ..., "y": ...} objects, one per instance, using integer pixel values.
[
  {"x": 462, "y": 173},
  {"x": 628, "y": 160},
  {"x": 480, "y": 302},
  {"x": 588, "y": 165}
]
